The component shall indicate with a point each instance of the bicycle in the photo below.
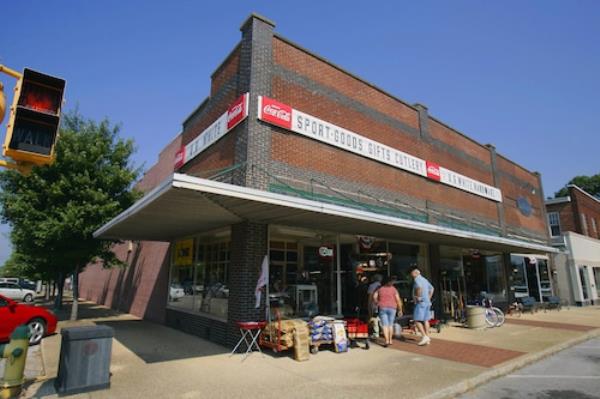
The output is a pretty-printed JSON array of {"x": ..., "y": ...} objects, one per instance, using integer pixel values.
[{"x": 494, "y": 317}]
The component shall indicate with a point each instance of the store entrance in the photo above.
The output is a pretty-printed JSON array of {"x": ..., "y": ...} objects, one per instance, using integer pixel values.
[
  {"x": 319, "y": 268},
  {"x": 532, "y": 280}
]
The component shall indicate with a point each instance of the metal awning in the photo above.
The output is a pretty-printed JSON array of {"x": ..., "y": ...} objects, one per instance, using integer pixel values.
[{"x": 185, "y": 205}]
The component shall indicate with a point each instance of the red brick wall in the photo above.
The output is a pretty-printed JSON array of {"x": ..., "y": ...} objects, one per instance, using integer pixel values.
[
  {"x": 229, "y": 68},
  {"x": 141, "y": 287},
  {"x": 589, "y": 207},
  {"x": 512, "y": 190},
  {"x": 448, "y": 147},
  {"x": 565, "y": 215}
]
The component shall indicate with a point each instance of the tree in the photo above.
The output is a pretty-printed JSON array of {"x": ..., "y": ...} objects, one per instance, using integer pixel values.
[
  {"x": 55, "y": 210},
  {"x": 590, "y": 184}
]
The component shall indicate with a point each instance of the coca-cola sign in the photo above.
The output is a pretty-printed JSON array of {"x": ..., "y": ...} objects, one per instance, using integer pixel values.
[
  {"x": 275, "y": 112},
  {"x": 237, "y": 111},
  {"x": 180, "y": 158},
  {"x": 433, "y": 171}
]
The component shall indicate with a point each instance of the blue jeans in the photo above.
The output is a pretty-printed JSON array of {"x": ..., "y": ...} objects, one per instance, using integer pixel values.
[{"x": 387, "y": 316}]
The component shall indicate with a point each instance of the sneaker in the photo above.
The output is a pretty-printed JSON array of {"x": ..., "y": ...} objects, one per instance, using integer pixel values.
[{"x": 424, "y": 341}]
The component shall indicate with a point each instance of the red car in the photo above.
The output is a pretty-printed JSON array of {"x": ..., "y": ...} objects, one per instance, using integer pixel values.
[{"x": 41, "y": 322}]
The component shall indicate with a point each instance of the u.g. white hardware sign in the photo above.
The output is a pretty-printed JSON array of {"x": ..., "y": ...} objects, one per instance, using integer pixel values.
[
  {"x": 237, "y": 112},
  {"x": 282, "y": 115}
]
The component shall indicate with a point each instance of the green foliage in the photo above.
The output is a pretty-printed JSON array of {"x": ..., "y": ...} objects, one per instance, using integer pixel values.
[
  {"x": 55, "y": 210},
  {"x": 590, "y": 184}
]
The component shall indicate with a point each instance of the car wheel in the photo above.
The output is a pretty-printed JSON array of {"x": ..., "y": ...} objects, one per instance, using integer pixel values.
[
  {"x": 28, "y": 298},
  {"x": 37, "y": 329}
]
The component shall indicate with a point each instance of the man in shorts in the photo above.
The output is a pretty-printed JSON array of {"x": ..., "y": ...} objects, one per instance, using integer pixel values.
[{"x": 422, "y": 293}]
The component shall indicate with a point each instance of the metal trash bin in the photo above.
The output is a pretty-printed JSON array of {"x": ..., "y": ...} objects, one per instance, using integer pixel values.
[
  {"x": 475, "y": 317},
  {"x": 84, "y": 359}
]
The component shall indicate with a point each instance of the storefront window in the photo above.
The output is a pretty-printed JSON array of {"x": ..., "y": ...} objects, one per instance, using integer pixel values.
[
  {"x": 181, "y": 294},
  {"x": 519, "y": 276},
  {"x": 545, "y": 284},
  {"x": 403, "y": 258},
  {"x": 467, "y": 275},
  {"x": 199, "y": 275},
  {"x": 496, "y": 283}
]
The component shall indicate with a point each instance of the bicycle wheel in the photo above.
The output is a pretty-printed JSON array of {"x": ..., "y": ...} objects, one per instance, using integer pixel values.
[
  {"x": 491, "y": 317},
  {"x": 500, "y": 316}
]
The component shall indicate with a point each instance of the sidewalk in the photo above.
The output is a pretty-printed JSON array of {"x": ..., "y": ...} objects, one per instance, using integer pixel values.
[{"x": 151, "y": 360}]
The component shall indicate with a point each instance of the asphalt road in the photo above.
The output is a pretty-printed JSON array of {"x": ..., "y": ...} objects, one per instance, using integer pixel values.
[{"x": 571, "y": 374}]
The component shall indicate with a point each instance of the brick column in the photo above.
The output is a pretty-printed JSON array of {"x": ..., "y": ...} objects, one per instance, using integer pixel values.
[
  {"x": 249, "y": 244},
  {"x": 253, "y": 145},
  {"x": 496, "y": 180},
  {"x": 423, "y": 120}
]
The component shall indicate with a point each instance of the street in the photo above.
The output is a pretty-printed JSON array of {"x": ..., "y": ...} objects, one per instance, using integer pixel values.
[{"x": 571, "y": 374}]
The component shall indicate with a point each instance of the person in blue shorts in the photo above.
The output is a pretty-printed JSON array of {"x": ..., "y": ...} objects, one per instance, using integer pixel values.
[{"x": 422, "y": 293}]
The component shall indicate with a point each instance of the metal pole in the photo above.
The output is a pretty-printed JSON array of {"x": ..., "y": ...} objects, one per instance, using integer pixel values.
[
  {"x": 10, "y": 72},
  {"x": 339, "y": 275}
]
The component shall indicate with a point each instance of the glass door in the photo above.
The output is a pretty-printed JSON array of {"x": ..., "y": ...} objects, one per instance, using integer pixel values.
[
  {"x": 533, "y": 283},
  {"x": 597, "y": 279},
  {"x": 584, "y": 282}
]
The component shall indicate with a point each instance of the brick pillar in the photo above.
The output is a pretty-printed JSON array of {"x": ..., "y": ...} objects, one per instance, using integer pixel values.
[
  {"x": 249, "y": 244},
  {"x": 253, "y": 145},
  {"x": 496, "y": 180},
  {"x": 423, "y": 120},
  {"x": 435, "y": 278}
]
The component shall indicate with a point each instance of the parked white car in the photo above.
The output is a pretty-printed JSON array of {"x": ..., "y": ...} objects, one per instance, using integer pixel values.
[
  {"x": 13, "y": 291},
  {"x": 175, "y": 292}
]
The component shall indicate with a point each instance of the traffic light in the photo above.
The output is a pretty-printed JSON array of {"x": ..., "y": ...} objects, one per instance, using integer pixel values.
[
  {"x": 33, "y": 125},
  {"x": 2, "y": 102}
]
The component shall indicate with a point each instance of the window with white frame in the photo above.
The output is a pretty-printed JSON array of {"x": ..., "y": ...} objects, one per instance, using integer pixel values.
[
  {"x": 554, "y": 222},
  {"x": 584, "y": 225},
  {"x": 594, "y": 227}
]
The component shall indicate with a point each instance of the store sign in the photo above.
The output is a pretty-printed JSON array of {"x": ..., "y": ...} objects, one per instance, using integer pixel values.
[
  {"x": 282, "y": 115},
  {"x": 237, "y": 112},
  {"x": 307, "y": 125},
  {"x": 325, "y": 252},
  {"x": 184, "y": 252}
]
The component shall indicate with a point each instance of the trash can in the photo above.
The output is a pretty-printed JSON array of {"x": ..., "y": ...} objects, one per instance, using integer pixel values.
[
  {"x": 475, "y": 317},
  {"x": 84, "y": 359}
]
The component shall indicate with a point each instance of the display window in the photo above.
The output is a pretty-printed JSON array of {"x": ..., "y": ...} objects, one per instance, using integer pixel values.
[
  {"x": 469, "y": 275},
  {"x": 320, "y": 273},
  {"x": 198, "y": 282}
]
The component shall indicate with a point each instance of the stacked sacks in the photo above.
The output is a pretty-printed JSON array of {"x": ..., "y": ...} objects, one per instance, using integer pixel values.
[
  {"x": 321, "y": 329},
  {"x": 282, "y": 332}
]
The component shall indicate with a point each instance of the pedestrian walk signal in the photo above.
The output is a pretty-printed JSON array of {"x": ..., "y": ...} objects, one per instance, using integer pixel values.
[{"x": 32, "y": 129}]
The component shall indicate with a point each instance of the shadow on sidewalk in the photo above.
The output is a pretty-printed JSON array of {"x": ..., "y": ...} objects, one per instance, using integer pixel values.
[{"x": 154, "y": 343}]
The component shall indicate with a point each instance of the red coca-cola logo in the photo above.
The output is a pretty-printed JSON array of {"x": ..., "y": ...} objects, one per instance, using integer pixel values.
[
  {"x": 433, "y": 171},
  {"x": 180, "y": 158},
  {"x": 276, "y": 113},
  {"x": 237, "y": 112}
]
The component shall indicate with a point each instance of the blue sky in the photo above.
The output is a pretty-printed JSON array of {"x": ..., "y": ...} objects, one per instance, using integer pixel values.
[{"x": 521, "y": 75}]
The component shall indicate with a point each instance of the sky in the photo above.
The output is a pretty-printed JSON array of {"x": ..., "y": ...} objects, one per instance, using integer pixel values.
[{"x": 522, "y": 75}]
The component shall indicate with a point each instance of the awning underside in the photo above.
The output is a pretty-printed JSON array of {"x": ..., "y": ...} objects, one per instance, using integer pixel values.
[{"x": 185, "y": 205}]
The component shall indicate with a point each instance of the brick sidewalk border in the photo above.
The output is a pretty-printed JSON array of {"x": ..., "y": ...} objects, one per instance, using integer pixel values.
[
  {"x": 551, "y": 324},
  {"x": 478, "y": 355}
]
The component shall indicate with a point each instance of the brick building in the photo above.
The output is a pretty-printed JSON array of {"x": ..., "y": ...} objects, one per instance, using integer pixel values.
[
  {"x": 337, "y": 180},
  {"x": 573, "y": 223}
]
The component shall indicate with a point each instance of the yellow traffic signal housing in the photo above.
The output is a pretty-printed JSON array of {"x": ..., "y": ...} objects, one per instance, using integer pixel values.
[
  {"x": 2, "y": 102},
  {"x": 32, "y": 129}
]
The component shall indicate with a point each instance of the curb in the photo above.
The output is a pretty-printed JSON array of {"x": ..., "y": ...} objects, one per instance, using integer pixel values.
[{"x": 473, "y": 382}]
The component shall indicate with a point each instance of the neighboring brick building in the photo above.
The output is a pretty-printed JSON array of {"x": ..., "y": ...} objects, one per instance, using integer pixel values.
[
  {"x": 336, "y": 179},
  {"x": 574, "y": 227}
]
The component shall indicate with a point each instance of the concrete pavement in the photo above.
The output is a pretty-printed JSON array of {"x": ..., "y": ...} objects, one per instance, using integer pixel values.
[
  {"x": 151, "y": 360},
  {"x": 571, "y": 374}
]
